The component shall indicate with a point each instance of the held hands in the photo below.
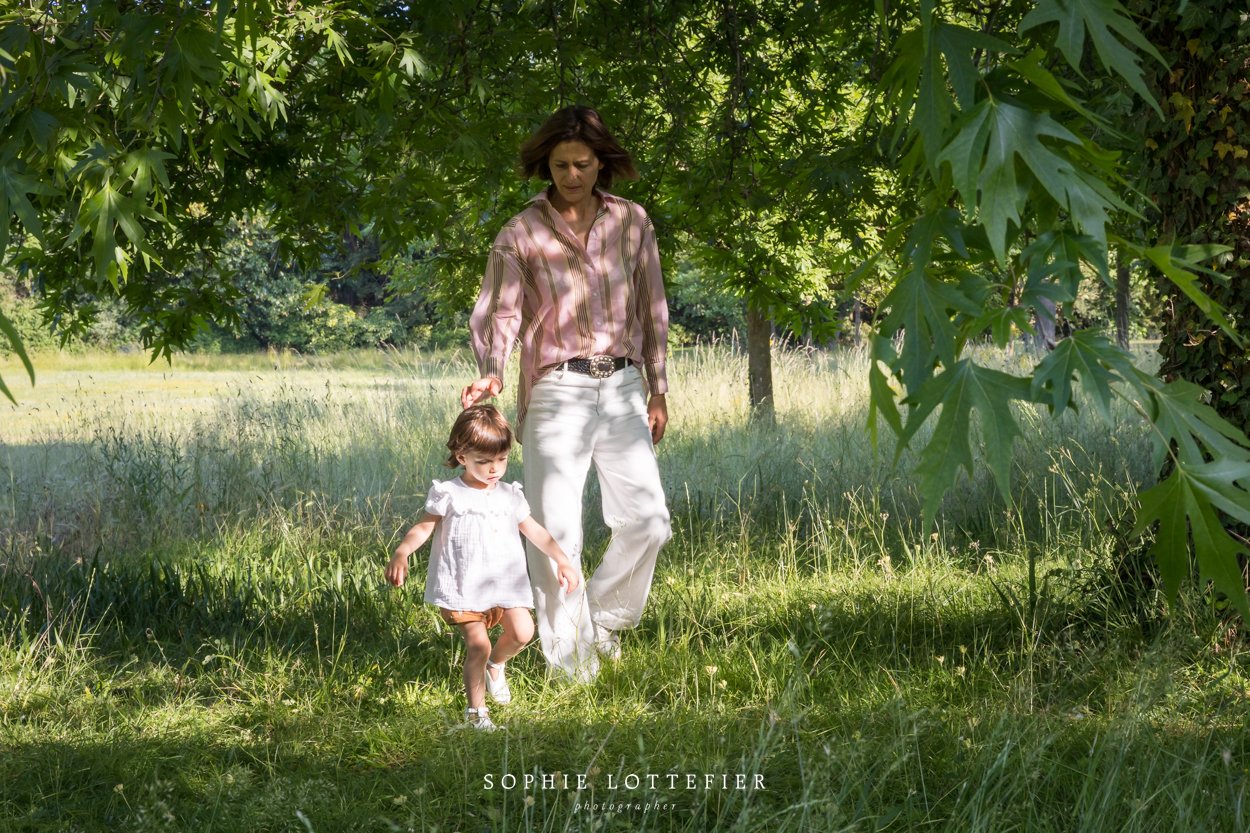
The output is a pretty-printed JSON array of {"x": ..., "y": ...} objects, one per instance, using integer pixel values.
[
  {"x": 541, "y": 538},
  {"x": 568, "y": 576},
  {"x": 483, "y": 388}
]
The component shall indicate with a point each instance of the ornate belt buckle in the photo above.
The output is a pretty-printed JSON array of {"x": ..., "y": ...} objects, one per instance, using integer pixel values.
[{"x": 601, "y": 367}]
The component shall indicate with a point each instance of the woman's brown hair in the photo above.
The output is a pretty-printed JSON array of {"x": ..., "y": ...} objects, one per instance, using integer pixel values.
[
  {"x": 480, "y": 428},
  {"x": 576, "y": 124}
]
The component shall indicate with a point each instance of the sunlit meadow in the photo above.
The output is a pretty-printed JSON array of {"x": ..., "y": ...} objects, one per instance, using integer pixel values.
[{"x": 196, "y": 635}]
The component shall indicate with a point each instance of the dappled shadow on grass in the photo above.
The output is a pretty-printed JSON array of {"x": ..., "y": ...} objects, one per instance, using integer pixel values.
[
  {"x": 338, "y": 701},
  {"x": 889, "y": 766},
  {"x": 844, "y": 649},
  {"x": 201, "y": 780},
  {"x": 933, "y": 643},
  {"x": 337, "y": 618}
]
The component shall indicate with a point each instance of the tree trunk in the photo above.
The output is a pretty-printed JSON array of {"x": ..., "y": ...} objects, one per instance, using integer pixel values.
[
  {"x": 1121, "y": 304},
  {"x": 760, "y": 365}
]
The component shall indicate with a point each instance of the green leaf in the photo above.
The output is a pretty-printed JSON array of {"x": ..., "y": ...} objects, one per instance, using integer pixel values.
[
  {"x": 920, "y": 305},
  {"x": 1164, "y": 503},
  {"x": 339, "y": 45},
  {"x": 1218, "y": 481},
  {"x": 1217, "y": 552},
  {"x": 413, "y": 64},
  {"x": 1022, "y": 130},
  {"x": 14, "y": 186},
  {"x": 1084, "y": 356},
  {"x": 933, "y": 105},
  {"x": 983, "y": 156},
  {"x": 902, "y": 78},
  {"x": 313, "y": 295},
  {"x": 1186, "y": 427},
  {"x": 1174, "y": 263},
  {"x": 962, "y": 390},
  {"x": 223, "y": 12},
  {"x": 882, "y": 399},
  {"x": 965, "y": 153},
  {"x": 1003, "y": 323},
  {"x": 15, "y": 341},
  {"x": 1000, "y": 203},
  {"x": 1059, "y": 254},
  {"x": 1184, "y": 500},
  {"x": 145, "y": 166},
  {"x": 957, "y": 44},
  {"x": 1031, "y": 69},
  {"x": 1106, "y": 24}
]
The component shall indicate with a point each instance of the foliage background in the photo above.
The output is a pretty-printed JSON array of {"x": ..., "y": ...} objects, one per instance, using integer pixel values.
[{"x": 959, "y": 165}]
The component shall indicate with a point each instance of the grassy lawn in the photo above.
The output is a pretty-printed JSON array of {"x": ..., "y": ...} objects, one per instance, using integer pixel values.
[{"x": 196, "y": 635}]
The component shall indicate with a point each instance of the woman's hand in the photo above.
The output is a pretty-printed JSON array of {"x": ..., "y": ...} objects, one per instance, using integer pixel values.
[
  {"x": 483, "y": 388},
  {"x": 657, "y": 417}
]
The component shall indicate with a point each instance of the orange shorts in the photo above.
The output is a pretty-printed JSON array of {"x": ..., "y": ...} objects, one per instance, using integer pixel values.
[{"x": 491, "y": 617}]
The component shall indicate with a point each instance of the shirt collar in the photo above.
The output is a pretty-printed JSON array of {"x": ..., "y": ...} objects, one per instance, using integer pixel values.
[{"x": 608, "y": 199}]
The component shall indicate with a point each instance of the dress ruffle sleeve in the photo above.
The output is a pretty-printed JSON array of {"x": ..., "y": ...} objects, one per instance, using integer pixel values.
[
  {"x": 521, "y": 507},
  {"x": 438, "y": 501}
]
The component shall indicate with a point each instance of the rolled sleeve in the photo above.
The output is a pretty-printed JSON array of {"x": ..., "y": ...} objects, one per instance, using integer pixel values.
[
  {"x": 652, "y": 311},
  {"x": 496, "y": 318}
]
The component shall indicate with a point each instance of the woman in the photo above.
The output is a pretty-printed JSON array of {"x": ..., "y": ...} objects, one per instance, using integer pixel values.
[{"x": 576, "y": 276}]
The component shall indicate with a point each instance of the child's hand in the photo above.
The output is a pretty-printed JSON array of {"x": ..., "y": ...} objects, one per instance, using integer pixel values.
[
  {"x": 568, "y": 577},
  {"x": 397, "y": 570}
]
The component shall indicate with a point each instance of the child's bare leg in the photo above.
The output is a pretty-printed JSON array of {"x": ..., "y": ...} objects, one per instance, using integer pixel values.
[
  {"x": 476, "y": 651},
  {"x": 518, "y": 630}
]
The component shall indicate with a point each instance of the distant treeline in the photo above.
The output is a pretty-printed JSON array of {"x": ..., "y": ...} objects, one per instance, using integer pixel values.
[{"x": 349, "y": 302}]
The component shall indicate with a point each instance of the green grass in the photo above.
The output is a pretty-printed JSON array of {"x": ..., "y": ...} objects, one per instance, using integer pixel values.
[{"x": 196, "y": 636}]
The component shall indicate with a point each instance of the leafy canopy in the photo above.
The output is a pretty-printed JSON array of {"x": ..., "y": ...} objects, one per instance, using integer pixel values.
[{"x": 994, "y": 125}]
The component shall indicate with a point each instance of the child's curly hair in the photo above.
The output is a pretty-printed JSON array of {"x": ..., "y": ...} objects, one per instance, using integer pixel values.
[{"x": 480, "y": 428}]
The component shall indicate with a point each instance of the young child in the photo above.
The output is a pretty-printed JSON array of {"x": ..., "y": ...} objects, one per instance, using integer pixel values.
[{"x": 477, "y": 573}]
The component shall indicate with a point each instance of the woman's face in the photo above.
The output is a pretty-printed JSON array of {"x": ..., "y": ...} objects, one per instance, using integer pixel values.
[{"x": 574, "y": 170}]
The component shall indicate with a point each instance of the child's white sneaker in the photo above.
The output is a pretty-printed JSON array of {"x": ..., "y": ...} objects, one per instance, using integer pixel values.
[
  {"x": 479, "y": 719},
  {"x": 497, "y": 687}
]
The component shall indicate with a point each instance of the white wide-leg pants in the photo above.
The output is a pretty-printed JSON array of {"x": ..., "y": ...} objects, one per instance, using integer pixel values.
[{"x": 572, "y": 421}]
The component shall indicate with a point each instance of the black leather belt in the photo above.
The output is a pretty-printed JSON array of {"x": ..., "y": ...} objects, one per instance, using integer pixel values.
[{"x": 597, "y": 367}]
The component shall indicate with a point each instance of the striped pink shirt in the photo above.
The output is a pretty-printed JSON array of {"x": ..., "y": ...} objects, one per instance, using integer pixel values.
[{"x": 566, "y": 300}]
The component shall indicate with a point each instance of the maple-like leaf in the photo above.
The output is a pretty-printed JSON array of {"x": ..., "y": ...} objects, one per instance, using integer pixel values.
[
  {"x": 14, "y": 188},
  {"x": 15, "y": 342},
  {"x": 1108, "y": 27},
  {"x": 1210, "y": 460},
  {"x": 958, "y": 44},
  {"x": 920, "y": 305},
  {"x": 102, "y": 213},
  {"x": 1180, "y": 505},
  {"x": 1178, "y": 264},
  {"x": 1186, "y": 427},
  {"x": 1058, "y": 255},
  {"x": 1084, "y": 355},
  {"x": 983, "y": 154},
  {"x": 1032, "y": 69},
  {"x": 961, "y": 390}
]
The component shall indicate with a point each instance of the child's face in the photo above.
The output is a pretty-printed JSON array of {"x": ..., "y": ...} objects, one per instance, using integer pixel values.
[{"x": 481, "y": 470}]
